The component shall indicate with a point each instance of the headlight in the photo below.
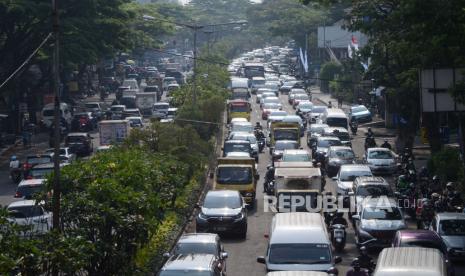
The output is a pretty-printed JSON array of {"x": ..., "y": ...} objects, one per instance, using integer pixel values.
[
  {"x": 364, "y": 233},
  {"x": 202, "y": 216},
  {"x": 239, "y": 216},
  {"x": 248, "y": 194}
]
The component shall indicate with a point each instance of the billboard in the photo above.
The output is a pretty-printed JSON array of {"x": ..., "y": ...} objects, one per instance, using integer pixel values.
[{"x": 434, "y": 89}]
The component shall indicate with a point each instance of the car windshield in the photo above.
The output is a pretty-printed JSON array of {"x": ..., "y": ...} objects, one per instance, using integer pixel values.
[
  {"x": 221, "y": 201},
  {"x": 452, "y": 227},
  {"x": 390, "y": 213},
  {"x": 374, "y": 190},
  {"x": 39, "y": 160},
  {"x": 28, "y": 191},
  {"x": 299, "y": 253},
  {"x": 286, "y": 145},
  {"x": 75, "y": 139},
  {"x": 359, "y": 109},
  {"x": 234, "y": 175},
  {"x": 301, "y": 97},
  {"x": 259, "y": 82},
  {"x": 380, "y": 154},
  {"x": 317, "y": 129},
  {"x": 305, "y": 106},
  {"x": 323, "y": 143},
  {"x": 342, "y": 154},
  {"x": 271, "y": 100},
  {"x": 271, "y": 106},
  {"x": 161, "y": 107},
  {"x": 196, "y": 248},
  {"x": 40, "y": 173},
  {"x": 189, "y": 272},
  {"x": 351, "y": 175},
  {"x": 242, "y": 128},
  {"x": 318, "y": 109},
  {"x": 300, "y": 157},
  {"x": 92, "y": 105},
  {"x": 278, "y": 113},
  {"x": 249, "y": 138},
  {"x": 422, "y": 243},
  {"x": 25, "y": 211},
  {"x": 237, "y": 147},
  {"x": 239, "y": 108},
  {"x": 286, "y": 134},
  {"x": 337, "y": 122},
  {"x": 117, "y": 108}
]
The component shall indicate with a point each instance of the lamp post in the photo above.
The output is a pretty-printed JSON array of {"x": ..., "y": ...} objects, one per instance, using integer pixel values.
[{"x": 195, "y": 28}]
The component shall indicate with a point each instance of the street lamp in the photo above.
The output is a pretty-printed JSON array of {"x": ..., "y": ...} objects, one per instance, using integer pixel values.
[{"x": 195, "y": 28}]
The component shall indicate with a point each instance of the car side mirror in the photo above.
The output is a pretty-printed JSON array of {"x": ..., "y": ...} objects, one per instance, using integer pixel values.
[
  {"x": 224, "y": 255},
  {"x": 166, "y": 255},
  {"x": 261, "y": 260},
  {"x": 337, "y": 259},
  {"x": 356, "y": 217},
  {"x": 332, "y": 271}
]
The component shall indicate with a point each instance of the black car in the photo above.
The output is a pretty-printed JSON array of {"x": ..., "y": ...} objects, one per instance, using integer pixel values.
[
  {"x": 79, "y": 143},
  {"x": 223, "y": 212},
  {"x": 83, "y": 121}
]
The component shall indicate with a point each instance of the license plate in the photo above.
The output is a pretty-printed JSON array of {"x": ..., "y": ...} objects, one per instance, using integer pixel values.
[{"x": 220, "y": 228}]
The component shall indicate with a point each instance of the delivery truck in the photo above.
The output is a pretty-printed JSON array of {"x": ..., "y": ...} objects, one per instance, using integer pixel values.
[
  {"x": 145, "y": 101},
  {"x": 113, "y": 131}
]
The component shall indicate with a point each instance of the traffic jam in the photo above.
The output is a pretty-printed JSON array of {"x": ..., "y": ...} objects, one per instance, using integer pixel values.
[{"x": 303, "y": 186}]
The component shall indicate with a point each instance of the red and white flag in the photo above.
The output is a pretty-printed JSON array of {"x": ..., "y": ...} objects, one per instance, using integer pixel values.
[{"x": 352, "y": 47}]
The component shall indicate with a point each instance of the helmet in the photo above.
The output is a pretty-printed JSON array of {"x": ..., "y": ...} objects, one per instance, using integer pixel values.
[
  {"x": 425, "y": 202},
  {"x": 369, "y": 129},
  {"x": 435, "y": 196},
  {"x": 435, "y": 178},
  {"x": 411, "y": 185},
  {"x": 456, "y": 195},
  {"x": 13, "y": 158},
  {"x": 355, "y": 264},
  {"x": 450, "y": 186},
  {"x": 363, "y": 250},
  {"x": 258, "y": 124},
  {"x": 402, "y": 177}
]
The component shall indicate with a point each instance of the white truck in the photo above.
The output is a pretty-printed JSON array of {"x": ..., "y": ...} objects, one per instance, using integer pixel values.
[
  {"x": 145, "y": 101},
  {"x": 113, "y": 131}
]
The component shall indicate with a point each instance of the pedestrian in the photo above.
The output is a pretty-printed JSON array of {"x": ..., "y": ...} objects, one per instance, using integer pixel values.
[{"x": 339, "y": 101}]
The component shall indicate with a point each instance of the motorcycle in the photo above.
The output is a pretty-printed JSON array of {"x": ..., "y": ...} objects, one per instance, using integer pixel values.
[
  {"x": 338, "y": 236},
  {"x": 15, "y": 175},
  {"x": 370, "y": 143},
  {"x": 269, "y": 187}
]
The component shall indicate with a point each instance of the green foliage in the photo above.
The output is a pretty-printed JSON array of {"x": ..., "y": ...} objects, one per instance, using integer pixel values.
[
  {"x": 328, "y": 72},
  {"x": 448, "y": 165}
]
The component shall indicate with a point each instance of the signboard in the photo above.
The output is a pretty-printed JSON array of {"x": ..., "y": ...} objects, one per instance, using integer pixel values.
[{"x": 434, "y": 88}]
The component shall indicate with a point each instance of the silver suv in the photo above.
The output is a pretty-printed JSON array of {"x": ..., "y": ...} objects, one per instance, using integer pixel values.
[{"x": 192, "y": 264}]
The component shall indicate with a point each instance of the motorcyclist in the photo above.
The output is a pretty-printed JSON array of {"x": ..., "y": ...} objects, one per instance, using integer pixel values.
[
  {"x": 436, "y": 186},
  {"x": 330, "y": 105},
  {"x": 406, "y": 155},
  {"x": 423, "y": 173},
  {"x": 258, "y": 126},
  {"x": 269, "y": 176},
  {"x": 14, "y": 163},
  {"x": 402, "y": 183},
  {"x": 353, "y": 125},
  {"x": 370, "y": 133},
  {"x": 426, "y": 214},
  {"x": 339, "y": 219},
  {"x": 356, "y": 269},
  {"x": 436, "y": 202},
  {"x": 449, "y": 191},
  {"x": 365, "y": 260},
  {"x": 456, "y": 202},
  {"x": 386, "y": 145}
]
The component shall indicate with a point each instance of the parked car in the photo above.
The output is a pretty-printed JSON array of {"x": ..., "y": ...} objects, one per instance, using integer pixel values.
[
  {"x": 192, "y": 264},
  {"x": 381, "y": 160},
  {"x": 30, "y": 213},
  {"x": 223, "y": 212},
  {"x": 28, "y": 188},
  {"x": 377, "y": 223},
  {"x": 360, "y": 114},
  {"x": 79, "y": 143},
  {"x": 337, "y": 156},
  {"x": 200, "y": 243},
  {"x": 451, "y": 228}
]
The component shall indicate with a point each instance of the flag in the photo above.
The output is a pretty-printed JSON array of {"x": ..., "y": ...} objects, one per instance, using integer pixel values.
[
  {"x": 352, "y": 48},
  {"x": 303, "y": 59},
  {"x": 354, "y": 43},
  {"x": 365, "y": 66},
  {"x": 306, "y": 62},
  {"x": 349, "y": 51}
]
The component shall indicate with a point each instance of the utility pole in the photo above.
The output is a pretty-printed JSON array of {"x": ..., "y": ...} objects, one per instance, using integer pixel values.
[
  {"x": 194, "y": 80},
  {"x": 57, "y": 118}
]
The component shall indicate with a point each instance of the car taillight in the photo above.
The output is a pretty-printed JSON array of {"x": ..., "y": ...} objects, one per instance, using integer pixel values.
[
  {"x": 27, "y": 166},
  {"x": 29, "y": 177},
  {"x": 18, "y": 194}
]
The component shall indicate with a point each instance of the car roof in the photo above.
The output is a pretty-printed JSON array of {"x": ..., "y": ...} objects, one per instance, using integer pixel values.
[
  {"x": 286, "y": 142},
  {"x": 222, "y": 193},
  {"x": 410, "y": 234},
  {"x": 233, "y": 141},
  {"x": 297, "y": 273},
  {"x": 77, "y": 134},
  {"x": 414, "y": 260},
  {"x": 31, "y": 182},
  {"x": 328, "y": 138},
  {"x": 448, "y": 216},
  {"x": 295, "y": 151},
  {"x": 134, "y": 118},
  {"x": 132, "y": 109},
  {"x": 355, "y": 167},
  {"x": 198, "y": 238},
  {"x": 185, "y": 262},
  {"x": 298, "y": 227},
  {"x": 370, "y": 180},
  {"x": 336, "y": 148},
  {"x": 118, "y": 105},
  {"x": 331, "y": 129},
  {"x": 318, "y": 126},
  {"x": 378, "y": 149},
  {"x": 241, "y": 133}
]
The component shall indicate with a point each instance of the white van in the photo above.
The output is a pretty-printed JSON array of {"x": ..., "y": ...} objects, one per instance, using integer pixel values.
[
  {"x": 335, "y": 117},
  {"x": 132, "y": 84},
  {"x": 48, "y": 113},
  {"x": 299, "y": 241},
  {"x": 410, "y": 261},
  {"x": 239, "y": 83}
]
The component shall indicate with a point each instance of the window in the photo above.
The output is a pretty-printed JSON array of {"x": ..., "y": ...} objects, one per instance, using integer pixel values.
[
  {"x": 382, "y": 213},
  {"x": 239, "y": 108},
  {"x": 234, "y": 175},
  {"x": 221, "y": 201},
  {"x": 452, "y": 227},
  {"x": 299, "y": 254},
  {"x": 284, "y": 146},
  {"x": 26, "y": 211},
  {"x": 342, "y": 154},
  {"x": 328, "y": 143},
  {"x": 380, "y": 154},
  {"x": 196, "y": 248},
  {"x": 374, "y": 190},
  {"x": 351, "y": 175},
  {"x": 286, "y": 134}
]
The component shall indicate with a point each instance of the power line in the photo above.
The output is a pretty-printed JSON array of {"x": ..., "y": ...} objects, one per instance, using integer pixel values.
[{"x": 27, "y": 60}]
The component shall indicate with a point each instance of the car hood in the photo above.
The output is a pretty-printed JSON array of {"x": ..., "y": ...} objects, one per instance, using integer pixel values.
[
  {"x": 341, "y": 161},
  {"x": 345, "y": 184},
  {"x": 454, "y": 241},
  {"x": 320, "y": 149},
  {"x": 379, "y": 162},
  {"x": 220, "y": 211},
  {"x": 378, "y": 224}
]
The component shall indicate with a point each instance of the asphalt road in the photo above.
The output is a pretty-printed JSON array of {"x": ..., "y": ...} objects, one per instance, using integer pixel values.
[{"x": 243, "y": 253}]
